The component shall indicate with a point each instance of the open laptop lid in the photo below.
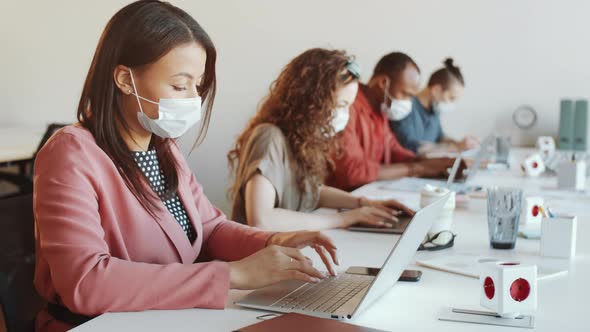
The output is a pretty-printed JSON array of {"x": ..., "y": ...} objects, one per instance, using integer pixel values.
[
  {"x": 402, "y": 252},
  {"x": 480, "y": 154},
  {"x": 454, "y": 170},
  {"x": 479, "y": 157}
]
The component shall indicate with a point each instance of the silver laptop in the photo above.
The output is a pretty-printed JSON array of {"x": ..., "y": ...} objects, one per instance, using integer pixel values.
[
  {"x": 346, "y": 295},
  {"x": 453, "y": 182}
]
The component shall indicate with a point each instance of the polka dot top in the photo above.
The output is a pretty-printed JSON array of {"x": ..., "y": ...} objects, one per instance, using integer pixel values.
[{"x": 148, "y": 163}]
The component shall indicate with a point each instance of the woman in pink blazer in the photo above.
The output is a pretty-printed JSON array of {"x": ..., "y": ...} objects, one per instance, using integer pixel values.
[{"x": 122, "y": 223}]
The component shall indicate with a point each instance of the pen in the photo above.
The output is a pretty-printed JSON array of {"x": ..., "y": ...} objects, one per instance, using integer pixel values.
[{"x": 542, "y": 212}]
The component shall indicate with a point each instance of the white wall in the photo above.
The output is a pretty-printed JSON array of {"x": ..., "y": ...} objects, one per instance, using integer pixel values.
[{"x": 511, "y": 52}]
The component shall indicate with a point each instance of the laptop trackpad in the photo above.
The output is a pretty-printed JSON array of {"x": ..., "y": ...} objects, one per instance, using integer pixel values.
[{"x": 271, "y": 294}]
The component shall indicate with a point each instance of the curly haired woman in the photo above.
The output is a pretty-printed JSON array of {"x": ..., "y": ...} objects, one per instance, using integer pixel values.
[{"x": 280, "y": 161}]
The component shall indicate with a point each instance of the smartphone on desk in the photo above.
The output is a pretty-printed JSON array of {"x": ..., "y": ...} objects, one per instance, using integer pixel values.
[{"x": 407, "y": 275}]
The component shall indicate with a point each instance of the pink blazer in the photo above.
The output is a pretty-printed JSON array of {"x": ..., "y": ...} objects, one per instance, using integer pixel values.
[{"x": 98, "y": 249}]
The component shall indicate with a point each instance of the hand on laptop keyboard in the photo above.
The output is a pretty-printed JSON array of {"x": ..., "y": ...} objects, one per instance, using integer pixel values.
[
  {"x": 367, "y": 216},
  {"x": 391, "y": 206},
  {"x": 282, "y": 260}
]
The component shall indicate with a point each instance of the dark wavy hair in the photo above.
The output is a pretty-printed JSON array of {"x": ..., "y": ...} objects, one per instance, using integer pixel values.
[
  {"x": 301, "y": 103},
  {"x": 139, "y": 34}
]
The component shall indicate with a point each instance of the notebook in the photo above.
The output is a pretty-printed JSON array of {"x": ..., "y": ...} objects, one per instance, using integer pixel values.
[
  {"x": 293, "y": 322},
  {"x": 468, "y": 265}
]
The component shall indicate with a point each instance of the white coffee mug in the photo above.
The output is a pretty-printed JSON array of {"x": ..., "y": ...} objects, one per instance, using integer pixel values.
[{"x": 444, "y": 222}]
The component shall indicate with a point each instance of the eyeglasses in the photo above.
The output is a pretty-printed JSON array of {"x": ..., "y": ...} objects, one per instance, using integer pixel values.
[{"x": 430, "y": 245}]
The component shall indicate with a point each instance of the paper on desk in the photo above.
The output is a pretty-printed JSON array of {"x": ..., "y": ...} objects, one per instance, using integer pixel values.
[{"x": 468, "y": 265}]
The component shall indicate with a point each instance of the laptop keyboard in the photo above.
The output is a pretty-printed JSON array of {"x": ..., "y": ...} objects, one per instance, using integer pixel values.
[
  {"x": 400, "y": 226},
  {"x": 327, "y": 295}
]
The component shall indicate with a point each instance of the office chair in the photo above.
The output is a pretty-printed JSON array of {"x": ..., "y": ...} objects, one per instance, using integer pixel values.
[
  {"x": 24, "y": 180},
  {"x": 19, "y": 300}
]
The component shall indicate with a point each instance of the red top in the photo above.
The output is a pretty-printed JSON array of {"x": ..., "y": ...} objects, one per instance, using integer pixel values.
[{"x": 367, "y": 144}]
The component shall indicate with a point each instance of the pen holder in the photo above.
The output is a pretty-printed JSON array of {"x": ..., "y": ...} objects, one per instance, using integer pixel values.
[
  {"x": 571, "y": 175},
  {"x": 558, "y": 237}
]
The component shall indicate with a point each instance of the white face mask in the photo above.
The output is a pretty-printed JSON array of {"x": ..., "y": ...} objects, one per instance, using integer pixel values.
[
  {"x": 175, "y": 116},
  {"x": 443, "y": 107},
  {"x": 398, "y": 109},
  {"x": 340, "y": 119}
]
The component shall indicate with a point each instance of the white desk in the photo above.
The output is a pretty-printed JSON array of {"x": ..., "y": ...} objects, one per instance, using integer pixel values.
[
  {"x": 18, "y": 143},
  {"x": 413, "y": 306}
]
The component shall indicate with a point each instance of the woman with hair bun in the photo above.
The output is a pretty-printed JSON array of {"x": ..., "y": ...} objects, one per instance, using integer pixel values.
[{"x": 421, "y": 131}]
